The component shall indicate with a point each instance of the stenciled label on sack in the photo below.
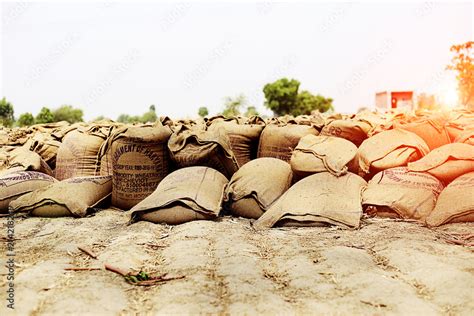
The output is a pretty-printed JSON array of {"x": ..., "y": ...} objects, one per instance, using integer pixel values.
[
  {"x": 137, "y": 170},
  {"x": 412, "y": 179},
  {"x": 23, "y": 177}
]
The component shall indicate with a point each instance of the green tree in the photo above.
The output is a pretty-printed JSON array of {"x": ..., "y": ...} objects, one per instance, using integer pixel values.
[
  {"x": 462, "y": 64},
  {"x": 26, "y": 119},
  {"x": 125, "y": 118},
  {"x": 281, "y": 96},
  {"x": 232, "y": 106},
  {"x": 426, "y": 102},
  {"x": 6, "y": 113},
  {"x": 149, "y": 116},
  {"x": 308, "y": 102},
  {"x": 44, "y": 116},
  {"x": 251, "y": 111},
  {"x": 203, "y": 111},
  {"x": 68, "y": 113}
]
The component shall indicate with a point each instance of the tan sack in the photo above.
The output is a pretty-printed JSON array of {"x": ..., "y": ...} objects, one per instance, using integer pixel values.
[
  {"x": 390, "y": 149},
  {"x": 45, "y": 146},
  {"x": 431, "y": 129},
  {"x": 400, "y": 193},
  {"x": 319, "y": 199},
  {"x": 184, "y": 195},
  {"x": 197, "y": 147},
  {"x": 255, "y": 186},
  {"x": 354, "y": 131},
  {"x": 322, "y": 153},
  {"x": 71, "y": 197},
  {"x": 466, "y": 137},
  {"x": 455, "y": 203},
  {"x": 243, "y": 136},
  {"x": 278, "y": 141},
  {"x": 23, "y": 159},
  {"x": 77, "y": 155},
  {"x": 447, "y": 162},
  {"x": 140, "y": 161},
  {"x": 14, "y": 185}
]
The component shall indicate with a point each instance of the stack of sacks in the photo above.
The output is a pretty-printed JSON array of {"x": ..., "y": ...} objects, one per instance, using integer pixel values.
[
  {"x": 466, "y": 137},
  {"x": 455, "y": 203},
  {"x": 322, "y": 153},
  {"x": 318, "y": 200},
  {"x": 72, "y": 197},
  {"x": 446, "y": 162},
  {"x": 256, "y": 186},
  {"x": 400, "y": 193},
  {"x": 198, "y": 147},
  {"x": 278, "y": 139},
  {"x": 46, "y": 146},
  {"x": 16, "y": 184},
  {"x": 243, "y": 134},
  {"x": 185, "y": 195},
  {"x": 389, "y": 149}
]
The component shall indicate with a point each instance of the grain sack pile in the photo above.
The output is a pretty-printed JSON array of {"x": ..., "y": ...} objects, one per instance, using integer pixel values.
[
  {"x": 16, "y": 184},
  {"x": 455, "y": 203},
  {"x": 22, "y": 159},
  {"x": 70, "y": 197},
  {"x": 318, "y": 200},
  {"x": 187, "y": 194},
  {"x": 243, "y": 134},
  {"x": 256, "y": 186},
  {"x": 447, "y": 162},
  {"x": 353, "y": 130},
  {"x": 77, "y": 155},
  {"x": 322, "y": 153},
  {"x": 139, "y": 159},
  {"x": 278, "y": 139},
  {"x": 400, "y": 193},
  {"x": 200, "y": 147}
]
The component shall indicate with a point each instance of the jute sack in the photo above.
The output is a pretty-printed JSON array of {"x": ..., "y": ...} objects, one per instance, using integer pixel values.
[
  {"x": 23, "y": 159},
  {"x": 390, "y": 149},
  {"x": 400, "y": 193},
  {"x": 197, "y": 147},
  {"x": 14, "y": 185},
  {"x": 319, "y": 199},
  {"x": 256, "y": 185},
  {"x": 140, "y": 161},
  {"x": 243, "y": 136},
  {"x": 455, "y": 203},
  {"x": 279, "y": 140},
  {"x": 77, "y": 155},
  {"x": 447, "y": 162},
  {"x": 466, "y": 137},
  {"x": 353, "y": 130},
  {"x": 322, "y": 153},
  {"x": 431, "y": 129},
  {"x": 71, "y": 197},
  {"x": 184, "y": 195},
  {"x": 45, "y": 146}
]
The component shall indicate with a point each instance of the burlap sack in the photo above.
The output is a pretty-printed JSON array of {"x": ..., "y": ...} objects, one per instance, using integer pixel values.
[
  {"x": 455, "y": 203},
  {"x": 466, "y": 137},
  {"x": 353, "y": 130},
  {"x": 431, "y": 129},
  {"x": 77, "y": 155},
  {"x": 278, "y": 141},
  {"x": 14, "y": 185},
  {"x": 23, "y": 159},
  {"x": 197, "y": 147},
  {"x": 322, "y": 153},
  {"x": 400, "y": 193},
  {"x": 243, "y": 136},
  {"x": 319, "y": 199},
  {"x": 45, "y": 146},
  {"x": 255, "y": 186},
  {"x": 71, "y": 197},
  {"x": 140, "y": 161},
  {"x": 184, "y": 195},
  {"x": 447, "y": 162},
  {"x": 390, "y": 149}
]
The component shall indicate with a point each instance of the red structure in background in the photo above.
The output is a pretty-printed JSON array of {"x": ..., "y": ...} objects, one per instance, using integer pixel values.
[{"x": 387, "y": 100}]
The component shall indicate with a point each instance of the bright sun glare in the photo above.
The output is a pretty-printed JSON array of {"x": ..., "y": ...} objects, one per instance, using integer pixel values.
[{"x": 449, "y": 94}]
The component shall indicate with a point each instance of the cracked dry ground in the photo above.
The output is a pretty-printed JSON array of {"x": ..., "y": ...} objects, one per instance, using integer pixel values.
[{"x": 385, "y": 267}]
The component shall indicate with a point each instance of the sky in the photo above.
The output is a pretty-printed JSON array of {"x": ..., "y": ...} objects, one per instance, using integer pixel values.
[{"x": 121, "y": 57}]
